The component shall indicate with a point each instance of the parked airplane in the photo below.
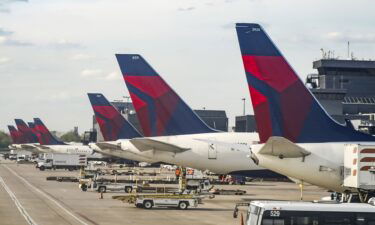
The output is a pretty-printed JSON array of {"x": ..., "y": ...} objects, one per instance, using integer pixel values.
[
  {"x": 49, "y": 143},
  {"x": 116, "y": 130},
  {"x": 28, "y": 138},
  {"x": 301, "y": 140},
  {"x": 191, "y": 143},
  {"x": 16, "y": 136}
]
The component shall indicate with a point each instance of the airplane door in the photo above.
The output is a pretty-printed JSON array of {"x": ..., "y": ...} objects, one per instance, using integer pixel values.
[{"x": 212, "y": 150}]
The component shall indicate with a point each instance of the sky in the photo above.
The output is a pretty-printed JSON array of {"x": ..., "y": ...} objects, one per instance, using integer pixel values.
[{"x": 52, "y": 53}]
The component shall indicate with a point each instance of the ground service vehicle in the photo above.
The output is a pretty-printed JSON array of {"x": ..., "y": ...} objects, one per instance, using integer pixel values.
[
  {"x": 180, "y": 201},
  {"x": 62, "y": 161},
  {"x": 12, "y": 156},
  {"x": 308, "y": 213},
  {"x": 21, "y": 158},
  {"x": 107, "y": 186}
]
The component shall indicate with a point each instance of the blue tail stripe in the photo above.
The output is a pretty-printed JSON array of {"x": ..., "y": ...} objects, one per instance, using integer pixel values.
[
  {"x": 98, "y": 99},
  {"x": 134, "y": 65},
  {"x": 255, "y": 43}
]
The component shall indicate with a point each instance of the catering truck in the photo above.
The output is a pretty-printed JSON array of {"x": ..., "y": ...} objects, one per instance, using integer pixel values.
[{"x": 62, "y": 161}]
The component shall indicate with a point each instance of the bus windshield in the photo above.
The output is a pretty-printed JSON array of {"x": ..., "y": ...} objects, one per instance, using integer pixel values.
[{"x": 253, "y": 215}]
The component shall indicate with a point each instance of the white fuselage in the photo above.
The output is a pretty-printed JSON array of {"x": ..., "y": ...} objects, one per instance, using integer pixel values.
[
  {"x": 220, "y": 153},
  {"x": 73, "y": 149},
  {"x": 32, "y": 147},
  {"x": 323, "y": 167},
  {"x": 130, "y": 152}
]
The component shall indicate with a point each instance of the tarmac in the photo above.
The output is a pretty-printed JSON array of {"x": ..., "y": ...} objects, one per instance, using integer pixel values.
[{"x": 26, "y": 197}]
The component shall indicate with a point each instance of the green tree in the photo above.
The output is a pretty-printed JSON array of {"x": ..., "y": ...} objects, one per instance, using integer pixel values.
[
  {"x": 70, "y": 136},
  {"x": 4, "y": 140}
]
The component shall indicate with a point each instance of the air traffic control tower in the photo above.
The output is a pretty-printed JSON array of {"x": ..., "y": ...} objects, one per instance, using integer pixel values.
[{"x": 345, "y": 88}]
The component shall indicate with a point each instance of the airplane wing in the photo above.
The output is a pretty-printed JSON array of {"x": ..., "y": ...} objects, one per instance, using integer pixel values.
[
  {"x": 146, "y": 144},
  {"x": 283, "y": 148},
  {"x": 44, "y": 147},
  {"x": 36, "y": 148},
  {"x": 106, "y": 145},
  {"x": 29, "y": 147}
]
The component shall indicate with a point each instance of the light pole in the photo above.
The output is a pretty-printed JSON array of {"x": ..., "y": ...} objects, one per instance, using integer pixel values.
[{"x": 244, "y": 100}]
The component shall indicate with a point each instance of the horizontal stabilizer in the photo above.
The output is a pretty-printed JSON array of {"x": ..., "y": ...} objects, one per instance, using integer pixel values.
[
  {"x": 44, "y": 147},
  {"x": 283, "y": 148},
  {"x": 110, "y": 146},
  {"x": 29, "y": 146},
  {"x": 146, "y": 144}
]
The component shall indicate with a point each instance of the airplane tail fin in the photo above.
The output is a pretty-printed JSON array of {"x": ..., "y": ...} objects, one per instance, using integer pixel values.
[
  {"x": 26, "y": 132},
  {"x": 159, "y": 109},
  {"x": 112, "y": 124},
  {"x": 45, "y": 136},
  {"x": 283, "y": 106},
  {"x": 15, "y": 135},
  {"x": 33, "y": 129}
]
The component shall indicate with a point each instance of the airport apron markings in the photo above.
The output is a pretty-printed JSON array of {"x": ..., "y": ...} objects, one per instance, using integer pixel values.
[
  {"x": 46, "y": 196},
  {"x": 19, "y": 206}
]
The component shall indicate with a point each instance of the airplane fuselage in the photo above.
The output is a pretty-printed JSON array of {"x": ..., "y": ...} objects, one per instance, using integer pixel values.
[
  {"x": 129, "y": 152},
  {"x": 221, "y": 153},
  {"x": 323, "y": 167},
  {"x": 31, "y": 147},
  {"x": 73, "y": 149}
]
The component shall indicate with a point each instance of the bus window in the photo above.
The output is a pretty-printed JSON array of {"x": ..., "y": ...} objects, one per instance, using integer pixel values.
[
  {"x": 337, "y": 221},
  {"x": 273, "y": 222},
  {"x": 365, "y": 219},
  {"x": 304, "y": 220},
  {"x": 360, "y": 220},
  {"x": 253, "y": 215}
]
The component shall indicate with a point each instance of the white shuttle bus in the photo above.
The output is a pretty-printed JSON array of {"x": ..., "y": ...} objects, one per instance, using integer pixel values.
[{"x": 308, "y": 213}]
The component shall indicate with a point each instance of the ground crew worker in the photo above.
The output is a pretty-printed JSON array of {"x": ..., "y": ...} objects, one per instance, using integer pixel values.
[{"x": 178, "y": 173}]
